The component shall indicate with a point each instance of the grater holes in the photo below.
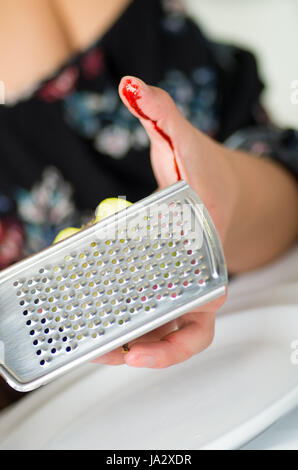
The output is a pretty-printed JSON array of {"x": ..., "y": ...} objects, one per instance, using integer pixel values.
[
  {"x": 71, "y": 347},
  {"x": 147, "y": 268},
  {"x": 175, "y": 294},
  {"x": 126, "y": 318}
]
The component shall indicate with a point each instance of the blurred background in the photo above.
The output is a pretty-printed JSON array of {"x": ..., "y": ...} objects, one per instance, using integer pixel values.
[{"x": 269, "y": 29}]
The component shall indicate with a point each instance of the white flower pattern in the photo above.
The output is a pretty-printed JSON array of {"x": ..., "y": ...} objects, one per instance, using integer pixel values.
[{"x": 105, "y": 120}]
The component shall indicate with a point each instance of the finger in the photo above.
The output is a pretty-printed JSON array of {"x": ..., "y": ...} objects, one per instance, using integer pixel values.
[
  {"x": 195, "y": 334},
  {"x": 156, "y": 334},
  {"x": 112, "y": 358},
  {"x": 162, "y": 122},
  {"x": 181, "y": 151},
  {"x": 116, "y": 357}
]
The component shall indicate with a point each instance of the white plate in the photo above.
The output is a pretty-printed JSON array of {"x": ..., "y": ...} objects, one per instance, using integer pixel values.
[
  {"x": 218, "y": 400},
  {"x": 282, "y": 435}
]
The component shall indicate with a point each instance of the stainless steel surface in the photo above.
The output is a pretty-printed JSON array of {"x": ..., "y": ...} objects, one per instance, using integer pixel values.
[{"x": 106, "y": 285}]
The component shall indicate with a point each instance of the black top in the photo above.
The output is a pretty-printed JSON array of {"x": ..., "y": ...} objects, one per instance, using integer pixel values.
[{"x": 71, "y": 142}]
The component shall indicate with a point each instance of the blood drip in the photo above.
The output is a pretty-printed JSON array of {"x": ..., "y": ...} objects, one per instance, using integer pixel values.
[{"x": 132, "y": 94}]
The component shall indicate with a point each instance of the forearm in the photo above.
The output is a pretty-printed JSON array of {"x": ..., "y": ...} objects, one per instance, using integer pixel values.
[
  {"x": 265, "y": 217},
  {"x": 253, "y": 204},
  {"x": 252, "y": 201}
]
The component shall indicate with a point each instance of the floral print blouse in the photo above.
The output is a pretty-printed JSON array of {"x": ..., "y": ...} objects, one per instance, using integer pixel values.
[{"x": 70, "y": 142}]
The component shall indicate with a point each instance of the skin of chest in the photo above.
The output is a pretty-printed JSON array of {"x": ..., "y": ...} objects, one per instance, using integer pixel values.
[{"x": 36, "y": 37}]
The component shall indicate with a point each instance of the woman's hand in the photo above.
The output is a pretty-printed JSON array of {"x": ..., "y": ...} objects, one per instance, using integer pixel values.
[
  {"x": 179, "y": 149},
  {"x": 174, "y": 141},
  {"x": 253, "y": 203},
  {"x": 170, "y": 344}
]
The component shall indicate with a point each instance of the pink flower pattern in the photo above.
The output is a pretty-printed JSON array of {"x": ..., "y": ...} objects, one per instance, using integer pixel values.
[
  {"x": 12, "y": 239},
  {"x": 93, "y": 63},
  {"x": 90, "y": 64},
  {"x": 61, "y": 86}
]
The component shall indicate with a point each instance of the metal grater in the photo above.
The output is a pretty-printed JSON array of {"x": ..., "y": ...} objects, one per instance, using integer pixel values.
[{"x": 107, "y": 285}]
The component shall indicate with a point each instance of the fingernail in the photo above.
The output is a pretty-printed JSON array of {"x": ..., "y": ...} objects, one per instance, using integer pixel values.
[
  {"x": 133, "y": 84},
  {"x": 141, "y": 361},
  {"x": 144, "y": 85}
]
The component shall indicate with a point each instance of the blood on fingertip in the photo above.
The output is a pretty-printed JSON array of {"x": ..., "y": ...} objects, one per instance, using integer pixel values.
[{"x": 131, "y": 91}]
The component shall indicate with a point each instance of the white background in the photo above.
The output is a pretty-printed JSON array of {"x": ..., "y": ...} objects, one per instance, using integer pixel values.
[{"x": 269, "y": 28}]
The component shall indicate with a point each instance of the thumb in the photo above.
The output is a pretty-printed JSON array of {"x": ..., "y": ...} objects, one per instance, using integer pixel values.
[
  {"x": 164, "y": 125},
  {"x": 181, "y": 151}
]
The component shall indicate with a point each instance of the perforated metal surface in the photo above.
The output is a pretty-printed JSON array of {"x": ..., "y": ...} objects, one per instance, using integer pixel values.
[{"x": 107, "y": 285}]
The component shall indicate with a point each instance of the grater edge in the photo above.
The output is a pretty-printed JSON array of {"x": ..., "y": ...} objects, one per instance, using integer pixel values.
[{"x": 217, "y": 271}]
